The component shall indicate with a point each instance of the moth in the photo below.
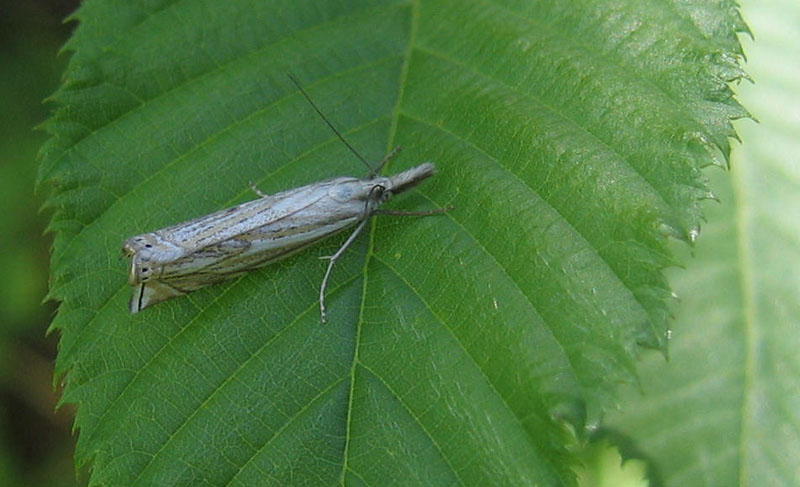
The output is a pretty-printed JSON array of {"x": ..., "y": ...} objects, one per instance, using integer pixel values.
[{"x": 185, "y": 257}]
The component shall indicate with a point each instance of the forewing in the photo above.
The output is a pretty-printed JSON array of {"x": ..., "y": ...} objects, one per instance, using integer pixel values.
[{"x": 226, "y": 224}]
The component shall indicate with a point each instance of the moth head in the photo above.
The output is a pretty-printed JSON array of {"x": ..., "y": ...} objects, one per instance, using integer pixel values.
[
  {"x": 409, "y": 178},
  {"x": 380, "y": 194}
]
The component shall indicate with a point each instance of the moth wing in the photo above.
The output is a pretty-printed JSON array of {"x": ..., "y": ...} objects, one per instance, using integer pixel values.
[
  {"x": 223, "y": 225},
  {"x": 159, "y": 271},
  {"x": 151, "y": 292}
]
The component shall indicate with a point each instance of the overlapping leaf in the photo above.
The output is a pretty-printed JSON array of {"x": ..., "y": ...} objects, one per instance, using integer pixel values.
[{"x": 725, "y": 409}]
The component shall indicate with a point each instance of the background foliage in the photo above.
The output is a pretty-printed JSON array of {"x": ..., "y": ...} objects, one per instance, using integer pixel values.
[
  {"x": 724, "y": 411},
  {"x": 36, "y": 446}
]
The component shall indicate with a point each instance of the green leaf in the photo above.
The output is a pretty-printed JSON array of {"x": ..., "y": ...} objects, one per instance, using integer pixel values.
[
  {"x": 602, "y": 466},
  {"x": 725, "y": 409},
  {"x": 461, "y": 349}
]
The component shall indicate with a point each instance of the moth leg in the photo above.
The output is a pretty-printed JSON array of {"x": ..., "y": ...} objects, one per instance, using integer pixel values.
[
  {"x": 437, "y": 211},
  {"x": 331, "y": 263},
  {"x": 386, "y": 159},
  {"x": 258, "y": 191}
]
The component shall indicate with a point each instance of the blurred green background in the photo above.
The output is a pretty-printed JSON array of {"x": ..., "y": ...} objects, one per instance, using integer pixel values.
[{"x": 36, "y": 445}]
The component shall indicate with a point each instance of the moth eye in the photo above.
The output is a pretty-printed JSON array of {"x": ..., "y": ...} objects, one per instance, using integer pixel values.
[
  {"x": 378, "y": 191},
  {"x": 145, "y": 269},
  {"x": 149, "y": 246}
]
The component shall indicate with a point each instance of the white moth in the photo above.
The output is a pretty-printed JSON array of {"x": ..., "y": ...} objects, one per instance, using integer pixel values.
[{"x": 182, "y": 258}]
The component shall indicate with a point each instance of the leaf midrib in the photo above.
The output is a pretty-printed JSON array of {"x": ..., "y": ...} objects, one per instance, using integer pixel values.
[
  {"x": 742, "y": 213},
  {"x": 370, "y": 252}
]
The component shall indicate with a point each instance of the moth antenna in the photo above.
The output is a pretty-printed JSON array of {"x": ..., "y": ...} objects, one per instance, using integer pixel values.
[{"x": 338, "y": 134}]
